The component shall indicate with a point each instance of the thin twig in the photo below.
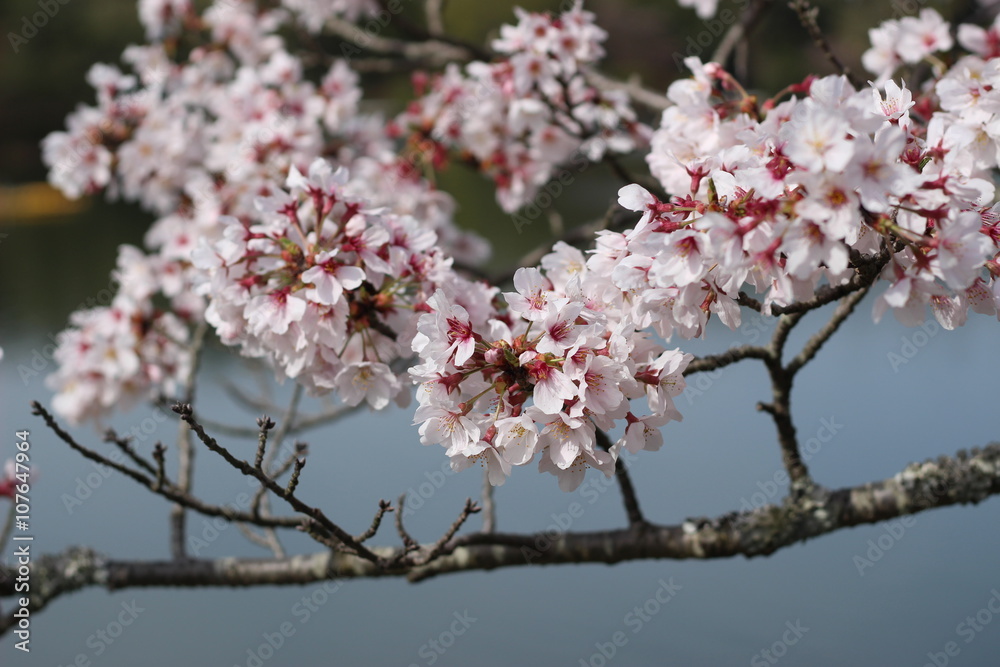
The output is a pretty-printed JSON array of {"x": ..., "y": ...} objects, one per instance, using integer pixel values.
[
  {"x": 434, "y": 11},
  {"x": 287, "y": 421},
  {"x": 409, "y": 544},
  {"x": 383, "y": 507},
  {"x": 844, "y": 310},
  {"x": 438, "y": 547},
  {"x": 167, "y": 490},
  {"x": 629, "y": 497},
  {"x": 123, "y": 444},
  {"x": 731, "y": 356},
  {"x": 867, "y": 269},
  {"x": 261, "y": 503},
  {"x": 635, "y": 90},
  {"x": 298, "y": 505},
  {"x": 185, "y": 450},
  {"x": 780, "y": 407},
  {"x": 159, "y": 455},
  {"x": 739, "y": 31},
  {"x": 264, "y": 426},
  {"x": 808, "y": 18}
]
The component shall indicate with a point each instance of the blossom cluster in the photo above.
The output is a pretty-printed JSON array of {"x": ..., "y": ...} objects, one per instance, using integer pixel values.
[
  {"x": 112, "y": 356},
  {"x": 562, "y": 361},
  {"x": 324, "y": 286},
  {"x": 195, "y": 138},
  {"x": 290, "y": 222},
  {"x": 520, "y": 117},
  {"x": 783, "y": 196}
]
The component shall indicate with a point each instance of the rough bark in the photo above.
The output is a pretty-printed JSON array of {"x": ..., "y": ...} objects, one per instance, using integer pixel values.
[{"x": 966, "y": 478}]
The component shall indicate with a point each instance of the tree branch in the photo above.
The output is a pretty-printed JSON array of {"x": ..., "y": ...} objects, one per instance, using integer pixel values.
[
  {"x": 867, "y": 270},
  {"x": 808, "y": 18},
  {"x": 844, "y": 310},
  {"x": 739, "y": 31},
  {"x": 634, "y": 89},
  {"x": 629, "y": 497},
  {"x": 966, "y": 478},
  {"x": 780, "y": 407},
  {"x": 731, "y": 356},
  {"x": 161, "y": 486},
  {"x": 185, "y": 450},
  {"x": 288, "y": 495}
]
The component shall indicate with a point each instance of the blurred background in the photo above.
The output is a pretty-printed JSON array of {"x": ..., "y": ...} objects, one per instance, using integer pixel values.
[{"x": 876, "y": 595}]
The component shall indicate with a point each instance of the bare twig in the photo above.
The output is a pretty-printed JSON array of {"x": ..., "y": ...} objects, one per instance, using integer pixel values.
[
  {"x": 167, "y": 490},
  {"x": 264, "y": 426},
  {"x": 438, "y": 547},
  {"x": 739, "y": 31},
  {"x": 808, "y": 18},
  {"x": 968, "y": 477},
  {"x": 432, "y": 52},
  {"x": 866, "y": 273},
  {"x": 289, "y": 497},
  {"x": 409, "y": 544},
  {"x": 844, "y": 310},
  {"x": 634, "y": 89},
  {"x": 780, "y": 407},
  {"x": 434, "y": 11},
  {"x": 629, "y": 497},
  {"x": 185, "y": 450},
  {"x": 383, "y": 507},
  {"x": 159, "y": 455},
  {"x": 123, "y": 444},
  {"x": 731, "y": 356}
]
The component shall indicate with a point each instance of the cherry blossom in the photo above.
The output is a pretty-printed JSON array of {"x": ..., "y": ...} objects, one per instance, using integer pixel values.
[{"x": 305, "y": 232}]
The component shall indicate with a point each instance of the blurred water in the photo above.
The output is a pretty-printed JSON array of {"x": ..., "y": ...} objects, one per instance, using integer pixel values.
[{"x": 927, "y": 577}]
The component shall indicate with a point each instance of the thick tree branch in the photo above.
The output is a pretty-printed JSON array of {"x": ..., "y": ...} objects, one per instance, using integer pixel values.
[
  {"x": 966, "y": 478},
  {"x": 780, "y": 407}
]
